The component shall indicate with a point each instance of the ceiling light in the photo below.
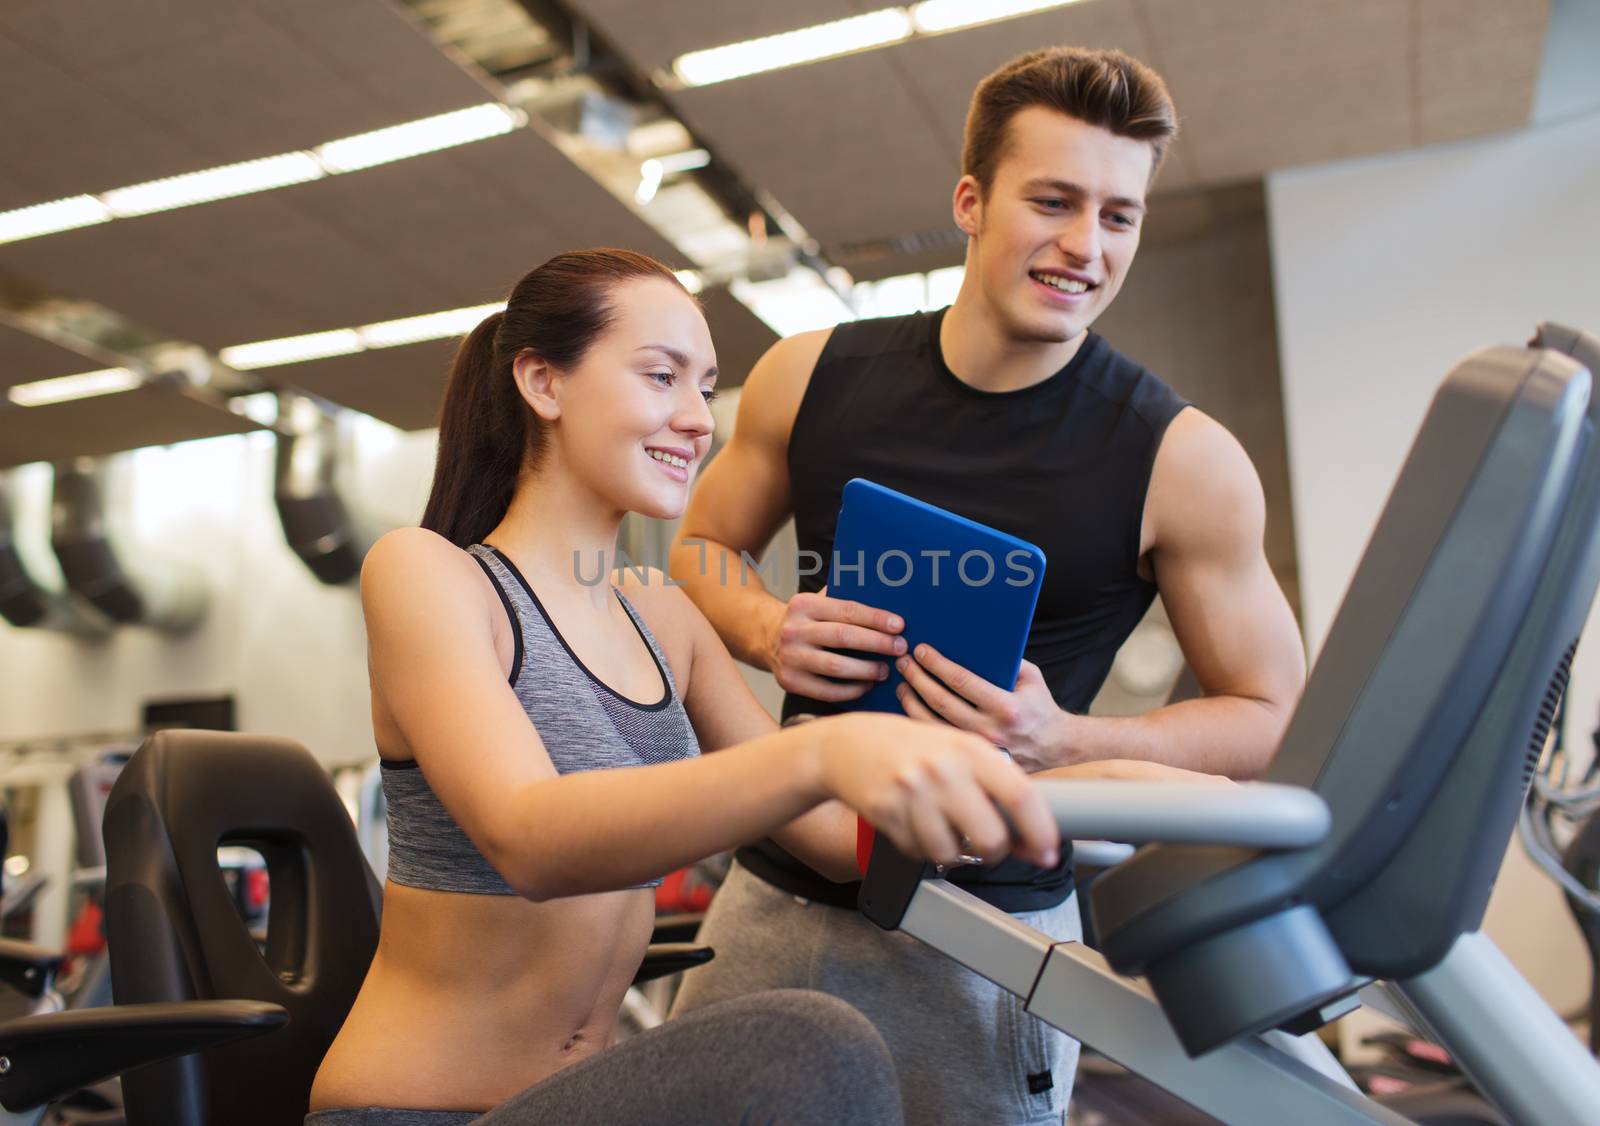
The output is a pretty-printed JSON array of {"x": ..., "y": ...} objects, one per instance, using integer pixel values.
[
  {"x": 291, "y": 349},
  {"x": 80, "y": 386},
  {"x": 429, "y": 326},
  {"x": 714, "y": 243},
  {"x": 48, "y": 218},
  {"x": 791, "y": 48},
  {"x": 686, "y": 161},
  {"x": 260, "y": 407},
  {"x": 650, "y": 173},
  {"x": 948, "y": 15},
  {"x": 430, "y": 134},
  {"x": 214, "y": 183},
  {"x": 665, "y": 134},
  {"x": 902, "y": 294},
  {"x": 690, "y": 280},
  {"x": 943, "y": 285},
  {"x": 346, "y": 341},
  {"x": 799, "y": 302},
  {"x": 348, "y": 155},
  {"x": 892, "y": 297}
]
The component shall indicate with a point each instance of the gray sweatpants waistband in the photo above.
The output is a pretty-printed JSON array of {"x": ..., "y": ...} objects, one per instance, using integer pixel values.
[{"x": 388, "y": 1116}]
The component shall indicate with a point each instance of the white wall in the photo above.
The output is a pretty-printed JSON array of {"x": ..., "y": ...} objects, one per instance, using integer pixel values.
[
  {"x": 291, "y": 650},
  {"x": 1387, "y": 270}
]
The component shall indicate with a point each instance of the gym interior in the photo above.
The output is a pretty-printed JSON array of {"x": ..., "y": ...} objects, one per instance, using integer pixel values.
[{"x": 241, "y": 242}]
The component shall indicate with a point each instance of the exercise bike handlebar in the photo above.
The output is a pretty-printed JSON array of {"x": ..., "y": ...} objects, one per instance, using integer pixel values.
[{"x": 1248, "y": 815}]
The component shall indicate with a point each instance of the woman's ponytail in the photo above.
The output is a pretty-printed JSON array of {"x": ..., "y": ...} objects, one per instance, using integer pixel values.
[{"x": 482, "y": 436}]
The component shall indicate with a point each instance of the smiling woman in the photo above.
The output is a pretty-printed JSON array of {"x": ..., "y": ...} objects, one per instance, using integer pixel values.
[{"x": 541, "y": 735}]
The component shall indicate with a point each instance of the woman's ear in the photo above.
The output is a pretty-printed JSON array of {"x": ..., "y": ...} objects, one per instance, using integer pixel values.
[{"x": 536, "y": 381}]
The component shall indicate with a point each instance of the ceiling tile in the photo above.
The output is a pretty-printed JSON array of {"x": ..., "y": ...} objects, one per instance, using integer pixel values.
[
  {"x": 845, "y": 145},
  {"x": 264, "y": 244},
  {"x": 25, "y": 358},
  {"x": 883, "y": 262},
  {"x": 64, "y": 138},
  {"x": 1302, "y": 82},
  {"x": 376, "y": 45},
  {"x": 652, "y": 35},
  {"x": 147, "y": 416},
  {"x": 740, "y": 337},
  {"x": 186, "y": 85},
  {"x": 569, "y": 208},
  {"x": 88, "y": 33},
  {"x": 114, "y": 266},
  {"x": 260, "y": 282},
  {"x": 403, "y": 386},
  {"x": 252, "y": 93}
]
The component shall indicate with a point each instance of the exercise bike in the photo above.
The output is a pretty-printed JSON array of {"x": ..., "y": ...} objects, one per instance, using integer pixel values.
[{"x": 1359, "y": 871}]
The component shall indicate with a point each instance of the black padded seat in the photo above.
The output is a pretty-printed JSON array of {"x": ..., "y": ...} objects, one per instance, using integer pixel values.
[
  {"x": 1437, "y": 682},
  {"x": 177, "y": 938},
  {"x": 175, "y": 933}
]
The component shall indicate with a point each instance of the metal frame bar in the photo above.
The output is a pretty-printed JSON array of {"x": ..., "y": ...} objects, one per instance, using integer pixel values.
[
  {"x": 1267, "y": 1080},
  {"x": 1517, "y": 1053},
  {"x": 1501, "y": 1033}
]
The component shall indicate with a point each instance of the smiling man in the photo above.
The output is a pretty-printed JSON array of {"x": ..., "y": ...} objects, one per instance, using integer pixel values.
[{"x": 1007, "y": 409}]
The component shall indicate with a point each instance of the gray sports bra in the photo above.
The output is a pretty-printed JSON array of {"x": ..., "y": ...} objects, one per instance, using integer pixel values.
[{"x": 583, "y": 723}]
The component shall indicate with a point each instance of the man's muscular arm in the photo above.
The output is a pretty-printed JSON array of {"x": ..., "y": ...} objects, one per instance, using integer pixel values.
[
  {"x": 739, "y": 504},
  {"x": 1204, "y": 519},
  {"x": 742, "y": 499}
]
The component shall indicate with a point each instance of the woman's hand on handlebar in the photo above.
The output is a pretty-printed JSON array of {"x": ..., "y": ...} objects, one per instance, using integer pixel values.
[{"x": 936, "y": 791}]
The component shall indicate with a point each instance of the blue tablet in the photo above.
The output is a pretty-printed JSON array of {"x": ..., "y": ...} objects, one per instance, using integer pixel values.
[{"x": 960, "y": 586}]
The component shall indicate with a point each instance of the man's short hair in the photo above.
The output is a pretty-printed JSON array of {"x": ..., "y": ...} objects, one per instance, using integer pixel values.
[{"x": 1105, "y": 88}]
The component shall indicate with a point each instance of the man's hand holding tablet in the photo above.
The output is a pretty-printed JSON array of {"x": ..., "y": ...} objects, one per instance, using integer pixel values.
[
  {"x": 807, "y": 654},
  {"x": 1025, "y": 721}
]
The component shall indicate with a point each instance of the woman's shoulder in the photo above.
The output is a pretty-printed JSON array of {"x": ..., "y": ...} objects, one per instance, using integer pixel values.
[{"x": 408, "y": 562}]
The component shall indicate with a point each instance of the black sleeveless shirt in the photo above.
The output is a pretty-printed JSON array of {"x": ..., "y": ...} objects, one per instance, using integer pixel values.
[{"x": 1064, "y": 464}]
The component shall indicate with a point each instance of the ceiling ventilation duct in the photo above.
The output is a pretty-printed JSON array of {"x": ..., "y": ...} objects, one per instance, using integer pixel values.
[
  {"x": 22, "y": 601},
  {"x": 124, "y": 586},
  {"x": 27, "y": 602},
  {"x": 320, "y": 526}
]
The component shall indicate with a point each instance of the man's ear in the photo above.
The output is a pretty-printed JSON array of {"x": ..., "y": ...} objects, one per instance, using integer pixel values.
[
  {"x": 968, "y": 205},
  {"x": 535, "y": 381}
]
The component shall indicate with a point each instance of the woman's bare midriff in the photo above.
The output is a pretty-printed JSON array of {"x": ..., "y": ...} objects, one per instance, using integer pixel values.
[{"x": 473, "y": 998}]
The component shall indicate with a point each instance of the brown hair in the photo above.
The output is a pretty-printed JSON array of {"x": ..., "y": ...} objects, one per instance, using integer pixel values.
[
  {"x": 1105, "y": 88},
  {"x": 486, "y": 432}
]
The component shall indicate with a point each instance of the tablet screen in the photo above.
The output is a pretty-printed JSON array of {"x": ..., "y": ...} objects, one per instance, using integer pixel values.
[{"x": 964, "y": 588}]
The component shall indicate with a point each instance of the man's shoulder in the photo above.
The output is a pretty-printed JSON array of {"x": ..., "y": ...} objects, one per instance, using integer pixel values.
[
  {"x": 772, "y": 393},
  {"x": 781, "y": 379},
  {"x": 1204, "y": 482},
  {"x": 796, "y": 357},
  {"x": 878, "y": 336},
  {"x": 1129, "y": 384}
]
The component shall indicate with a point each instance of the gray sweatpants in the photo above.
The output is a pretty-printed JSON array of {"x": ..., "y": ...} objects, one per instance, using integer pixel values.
[
  {"x": 779, "y": 1058},
  {"x": 966, "y": 1050}
]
